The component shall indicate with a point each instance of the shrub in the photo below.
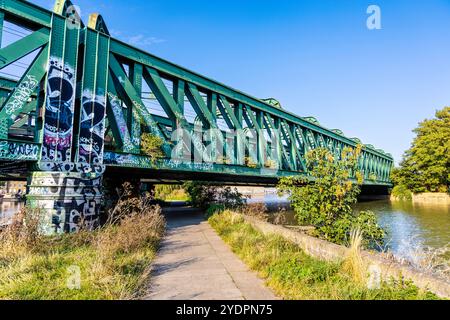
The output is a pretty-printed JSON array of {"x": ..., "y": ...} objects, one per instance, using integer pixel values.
[
  {"x": 203, "y": 194},
  {"x": 23, "y": 234},
  {"x": 250, "y": 163},
  {"x": 270, "y": 164},
  {"x": 401, "y": 192},
  {"x": 326, "y": 202}
]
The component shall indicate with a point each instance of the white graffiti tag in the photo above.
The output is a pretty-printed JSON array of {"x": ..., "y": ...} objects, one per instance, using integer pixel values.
[{"x": 22, "y": 94}]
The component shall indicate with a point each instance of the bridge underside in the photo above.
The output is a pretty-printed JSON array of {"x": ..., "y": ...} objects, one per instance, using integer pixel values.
[{"x": 77, "y": 105}]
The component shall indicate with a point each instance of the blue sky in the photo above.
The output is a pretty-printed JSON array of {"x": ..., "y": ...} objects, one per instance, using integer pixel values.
[{"x": 317, "y": 57}]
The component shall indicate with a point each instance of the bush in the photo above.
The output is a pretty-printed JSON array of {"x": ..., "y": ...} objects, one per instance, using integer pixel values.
[
  {"x": 401, "y": 192},
  {"x": 326, "y": 202},
  {"x": 203, "y": 194}
]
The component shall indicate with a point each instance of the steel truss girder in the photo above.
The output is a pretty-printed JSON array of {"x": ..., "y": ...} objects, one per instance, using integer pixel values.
[{"x": 291, "y": 136}]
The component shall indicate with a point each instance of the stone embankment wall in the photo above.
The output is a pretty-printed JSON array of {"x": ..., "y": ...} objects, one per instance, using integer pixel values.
[
  {"x": 378, "y": 265},
  {"x": 429, "y": 198}
]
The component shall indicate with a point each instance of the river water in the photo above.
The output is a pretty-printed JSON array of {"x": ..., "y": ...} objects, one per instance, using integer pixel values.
[
  {"x": 8, "y": 210},
  {"x": 410, "y": 227}
]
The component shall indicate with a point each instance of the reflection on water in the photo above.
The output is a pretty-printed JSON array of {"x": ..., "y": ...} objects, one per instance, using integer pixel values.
[
  {"x": 8, "y": 210},
  {"x": 408, "y": 225},
  {"x": 411, "y": 224}
]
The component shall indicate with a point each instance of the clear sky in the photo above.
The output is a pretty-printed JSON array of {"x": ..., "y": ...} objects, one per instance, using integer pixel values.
[{"x": 317, "y": 57}]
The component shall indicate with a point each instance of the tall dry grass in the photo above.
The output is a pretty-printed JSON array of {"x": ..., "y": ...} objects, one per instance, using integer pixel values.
[
  {"x": 22, "y": 235},
  {"x": 114, "y": 260},
  {"x": 353, "y": 263}
]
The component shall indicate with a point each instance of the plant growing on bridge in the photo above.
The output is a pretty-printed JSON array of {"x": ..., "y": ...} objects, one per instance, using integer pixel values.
[
  {"x": 250, "y": 163},
  {"x": 326, "y": 201},
  {"x": 151, "y": 146},
  {"x": 270, "y": 164}
]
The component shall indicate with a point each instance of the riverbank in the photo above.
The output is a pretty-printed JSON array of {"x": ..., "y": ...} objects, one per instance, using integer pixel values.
[
  {"x": 428, "y": 198},
  {"x": 108, "y": 264},
  {"x": 293, "y": 274}
]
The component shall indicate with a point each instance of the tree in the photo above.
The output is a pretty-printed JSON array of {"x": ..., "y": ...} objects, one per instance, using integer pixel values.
[
  {"x": 326, "y": 201},
  {"x": 426, "y": 165}
]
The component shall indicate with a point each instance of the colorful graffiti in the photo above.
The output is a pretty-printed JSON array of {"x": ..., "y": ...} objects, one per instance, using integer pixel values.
[
  {"x": 92, "y": 128},
  {"x": 59, "y": 114},
  {"x": 18, "y": 151}
]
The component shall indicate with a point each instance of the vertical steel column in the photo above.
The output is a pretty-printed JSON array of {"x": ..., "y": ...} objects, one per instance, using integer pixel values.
[
  {"x": 239, "y": 143},
  {"x": 135, "y": 120},
  {"x": 57, "y": 135},
  {"x": 93, "y": 102}
]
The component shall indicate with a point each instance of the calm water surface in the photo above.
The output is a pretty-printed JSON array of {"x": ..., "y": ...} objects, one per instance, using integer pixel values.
[
  {"x": 409, "y": 226},
  {"x": 8, "y": 209}
]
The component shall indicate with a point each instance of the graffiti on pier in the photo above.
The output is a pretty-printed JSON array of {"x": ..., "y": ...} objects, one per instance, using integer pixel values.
[
  {"x": 18, "y": 151},
  {"x": 82, "y": 207},
  {"x": 59, "y": 114},
  {"x": 92, "y": 129},
  {"x": 74, "y": 200}
]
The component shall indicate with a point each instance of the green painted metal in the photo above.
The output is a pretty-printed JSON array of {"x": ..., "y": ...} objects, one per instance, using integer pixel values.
[
  {"x": 109, "y": 98},
  {"x": 18, "y": 98}
]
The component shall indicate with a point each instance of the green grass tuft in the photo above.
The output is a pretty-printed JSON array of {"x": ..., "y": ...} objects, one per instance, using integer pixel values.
[{"x": 294, "y": 275}]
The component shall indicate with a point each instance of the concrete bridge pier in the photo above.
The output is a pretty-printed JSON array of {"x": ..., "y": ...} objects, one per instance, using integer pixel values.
[{"x": 69, "y": 200}]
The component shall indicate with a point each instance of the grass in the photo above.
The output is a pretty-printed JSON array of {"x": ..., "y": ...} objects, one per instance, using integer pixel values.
[
  {"x": 292, "y": 274},
  {"x": 109, "y": 264},
  {"x": 177, "y": 195}
]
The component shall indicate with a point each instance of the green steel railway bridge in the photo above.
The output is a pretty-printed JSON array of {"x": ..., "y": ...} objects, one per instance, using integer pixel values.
[{"x": 75, "y": 103}]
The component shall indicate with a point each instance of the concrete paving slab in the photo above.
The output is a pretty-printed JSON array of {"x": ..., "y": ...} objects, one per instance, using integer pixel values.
[{"x": 195, "y": 264}]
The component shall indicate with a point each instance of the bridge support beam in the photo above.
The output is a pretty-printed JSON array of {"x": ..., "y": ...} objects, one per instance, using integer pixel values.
[{"x": 69, "y": 201}]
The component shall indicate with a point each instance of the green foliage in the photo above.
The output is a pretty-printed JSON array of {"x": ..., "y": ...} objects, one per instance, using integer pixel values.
[
  {"x": 151, "y": 146},
  {"x": 270, "y": 164},
  {"x": 213, "y": 209},
  {"x": 402, "y": 193},
  {"x": 170, "y": 193},
  {"x": 426, "y": 165},
  {"x": 203, "y": 194},
  {"x": 326, "y": 202},
  {"x": 250, "y": 163},
  {"x": 294, "y": 275}
]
